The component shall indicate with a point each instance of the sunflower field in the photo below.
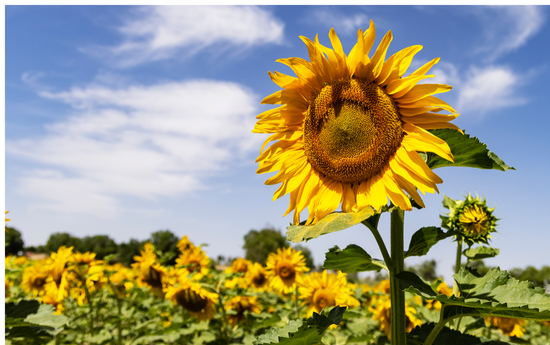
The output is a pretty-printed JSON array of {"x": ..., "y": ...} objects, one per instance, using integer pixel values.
[{"x": 349, "y": 132}]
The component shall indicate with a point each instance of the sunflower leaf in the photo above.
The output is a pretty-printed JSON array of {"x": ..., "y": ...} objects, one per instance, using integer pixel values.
[
  {"x": 467, "y": 152},
  {"x": 424, "y": 239},
  {"x": 494, "y": 294},
  {"x": 350, "y": 260},
  {"x": 480, "y": 252},
  {"x": 335, "y": 221},
  {"x": 446, "y": 336}
]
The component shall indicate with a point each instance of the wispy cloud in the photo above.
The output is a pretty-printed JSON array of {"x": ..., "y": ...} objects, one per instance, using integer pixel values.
[
  {"x": 137, "y": 141},
  {"x": 154, "y": 33},
  {"x": 489, "y": 88},
  {"x": 342, "y": 23},
  {"x": 507, "y": 28}
]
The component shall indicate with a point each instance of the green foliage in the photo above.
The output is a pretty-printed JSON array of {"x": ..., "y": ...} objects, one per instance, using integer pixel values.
[
  {"x": 58, "y": 239},
  {"x": 258, "y": 244},
  {"x": 127, "y": 251},
  {"x": 303, "y": 333},
  {"x": 307, "y": 255},
  {"x": 424, "y": 239},
  {"x": 495, "y": 294},
  {"x": 426, "y": 270},
  {"x": 350, "y": 260},
  {"x": 333, "y": 222},
  {"x": 102, "y": 245},
  {"x": 166, "y": 242},
  {"x": 32, "y": 323},
  {"x": 538, "y": 277},
  {"x": 479, "y": 253},
  {"x": 467, "y": 152},
  {"x": 447, "y": 336},
  {"x": 14, "y": 241}
]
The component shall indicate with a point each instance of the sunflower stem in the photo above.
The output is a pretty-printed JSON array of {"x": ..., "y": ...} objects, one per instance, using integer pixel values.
[
  {"x": 91, "y": 313},
  {"x": 296, "y": 307},
  {"x": 398, "y": 329},
  {"x": 381, "y": 244},
  {"x": 438, "y": 327},
  {"x": 458, "y": 265}
]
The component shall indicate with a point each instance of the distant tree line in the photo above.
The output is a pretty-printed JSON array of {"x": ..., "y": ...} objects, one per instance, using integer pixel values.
[{"x": 257, "y": 245}]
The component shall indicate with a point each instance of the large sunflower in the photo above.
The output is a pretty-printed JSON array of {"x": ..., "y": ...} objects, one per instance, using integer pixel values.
[
  {"x": 349, "y": 128},
  {"x": 283, "y": 267}
]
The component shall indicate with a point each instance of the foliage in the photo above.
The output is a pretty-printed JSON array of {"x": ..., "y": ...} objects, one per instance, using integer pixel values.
[
  {"x": 426, "y": 270},
  {"x": 258, "y": 244},
  {"x": 14, "y": 241}
]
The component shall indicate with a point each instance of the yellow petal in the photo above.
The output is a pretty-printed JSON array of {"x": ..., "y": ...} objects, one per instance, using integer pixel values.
[
  {"x": 348, "y": 200},
  {"x": 418, "y": 139},
  {"x": 429, "y": 101},
  {"x": 425, "y": 68},
  {"x": 329, "y": 200},
  {"x": 404, "y": 84},
  {"x": 397, "y": 65},
  {"x": 422, "y": 91},
  {"x": 395, "y": 193},
  {"x": 377, "y": 60}
]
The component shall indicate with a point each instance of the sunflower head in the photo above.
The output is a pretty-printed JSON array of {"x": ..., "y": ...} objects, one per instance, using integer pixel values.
[
  {"x": 185, "y": 245},
  {"x": 348, "y": 128},
  {"x": 283, "y": 267},
  {"x": 199, "y": 302},
  {"x": 508, "y": 326},
  {"x": 321, "y": 290},
  {"x": 240, "y": 305},
  {"x": 34, "y": 279},
  {"x": 256, "y": 276},
  {"x": 194, "y": 261},
  {"x": 382, "y": 312},
  {"x": 59, "y": 261},
  {"x": 151, "y": 273},
  {"x": 471, "y": 217}
]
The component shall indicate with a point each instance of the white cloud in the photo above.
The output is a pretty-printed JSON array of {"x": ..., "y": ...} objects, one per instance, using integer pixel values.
[
  {"x": 488, "y": 88},
  {"x": 342, "y": 23},
  {"x": 137, "y": 141},
  {"x": 507, "y": 28},
  {"x": 162, "y": 32}
]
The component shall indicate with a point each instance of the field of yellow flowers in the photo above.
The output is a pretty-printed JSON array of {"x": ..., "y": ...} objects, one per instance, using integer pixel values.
[{"x": 72, "y": 298}]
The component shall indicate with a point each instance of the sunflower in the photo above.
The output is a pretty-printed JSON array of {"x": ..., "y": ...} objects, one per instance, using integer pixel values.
[
  {"x": 53, "y": 297},
  {"x": 151, "y": 273},
  {"x": 240, "y": 305},
  {"x": 199, "y": 302},
  {"x": 121, "y": 278},
  {"x": 256, "y": 277},
  {"x": 283, "y": 267},
  {"x": 83, "y": 258},
  {"x": 194, "y": 261},
  {"x": 508, "y": 326},
  {"x": 349, "y": 128},
  {"x": 59, "y": 261},
  {"x": 185, "y": 245},
  {"x": 471, "y": 217},
  {"x": 442, "y": 289},
  {"x": 34, "y": 278},
  {"x": 320, "y": 290},
  {"x": 382, "y": 312},
  {"x": 239, "y": 265}
]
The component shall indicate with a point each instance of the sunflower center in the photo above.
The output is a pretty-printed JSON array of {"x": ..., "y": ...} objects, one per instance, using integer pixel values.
[
  {"x": 351, "y": 130},
  {"x": 323, "y": 298},
  {"x": 259, "y": 280},
  {"x": 286, "y": 271},
  {"x": 152, "y": 277},
  {"x": 39, "y": 281},
  {"x": 191, "y": 300}
]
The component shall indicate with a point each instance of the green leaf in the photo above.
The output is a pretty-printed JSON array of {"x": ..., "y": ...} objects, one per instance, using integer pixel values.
[
  {"x": 467, "y": 152},
  {"x": 447, "y": 336},
  {"x": 335, "y": 221},
  {"x": 480, "y": 252},
  {"x": 409, "y": 280},
  {"x": 494, "y": 294},
  {"x": 22, "y": 309},
  {"x": 424, "y": 239},
  {"x": 272, "y": 336},
  {"x": 350, "y": 260},
  {"x": 45, "y": 317}
]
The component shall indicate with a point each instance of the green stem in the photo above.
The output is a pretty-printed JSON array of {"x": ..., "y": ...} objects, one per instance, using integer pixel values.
[
  {"x": 438, "y": 327},
  {"x": 296, "y": 307},
  {"x": 224, "y": 319},
  {"x": 398, "y": 325},
  {"x": 91, "y": 314},
  {"x": 458, "y": 265},
  {"x": 119, "y": 330},
  {"x": 381, "y": 244}
]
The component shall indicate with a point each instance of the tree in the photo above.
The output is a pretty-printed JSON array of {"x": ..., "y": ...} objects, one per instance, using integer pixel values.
[
  {"x": 307, "y": 255},
  {"x": 102, "y": 245},
  {"x": 127, "y": 251},
  {"x": 59, "y": 239},
  {"x": 14, "y": 241},
  {"x": 166, "y": 242},
  {"x": 426, "y": 270},
  {"x": 258, "y": 244}
]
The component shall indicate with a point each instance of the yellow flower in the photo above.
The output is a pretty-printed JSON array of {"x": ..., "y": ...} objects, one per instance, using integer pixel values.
[
  {"x": 7, "y": 219},
  {"x": 199, "y": 302},
  {"x": 121, "y": 278},
  {"x": 59, "y": 261},
  {"x": 195, "y": 261},
  {"x": 349, "y": 128},
  {"x": 508, "y": 326},
  {"x": 34, "y": 278},
  {"x": 185, "y": 245},
  {"x": 166, "y": 319},
  {"x": 442, "y": 289},
  {"x": 151, "y": 273},
  {"x": 54, "y": 298},
  {"x": 320, "y": 290},
  {"x": 239, "y": 265},
  {"x": 382, "y": 312},
  {"x": 256, "y": 277},
  {"x": 382, "y": 287},
  {"x": 83, "y": 258},
  {"x": 283, "y": 267},
  {"x": 241, "y": 304}
]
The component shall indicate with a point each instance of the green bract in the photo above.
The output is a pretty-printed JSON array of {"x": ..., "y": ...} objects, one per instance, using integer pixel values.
[{"x": 471, "y": 218}]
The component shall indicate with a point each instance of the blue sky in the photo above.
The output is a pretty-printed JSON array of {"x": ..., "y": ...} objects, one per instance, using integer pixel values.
[{"x": 125, "y": 120}]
